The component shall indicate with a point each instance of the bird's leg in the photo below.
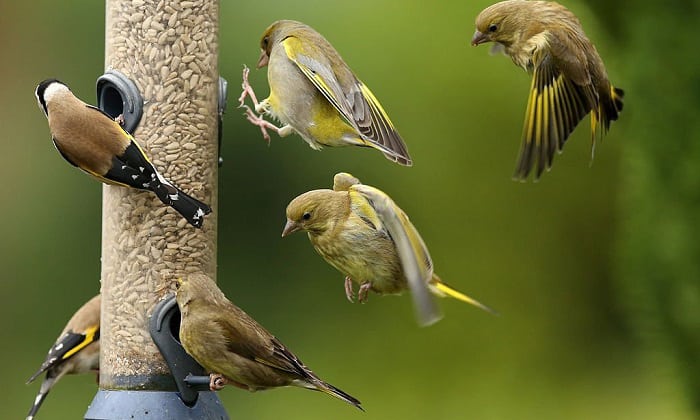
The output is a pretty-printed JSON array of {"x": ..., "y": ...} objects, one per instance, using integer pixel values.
[
  {"x": 349, "y": 293},
  {"x": 364, "y": 289},
  {"x": 259, "y": 121},
  {"x": 262, "y": 107},
  {"x": 247, "y": 91},
  {"x": 217, "y": 382}
]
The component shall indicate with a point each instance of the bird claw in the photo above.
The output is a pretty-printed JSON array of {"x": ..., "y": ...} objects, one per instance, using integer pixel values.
[
  {"x": 119, "y": 119},
  {"x": 216, "y": 382},
  {"x": 364, "y": 290},
  {"x": 349, "y": 293},
  {"x": 259, "y": 121},
  {"x": 255, "y": 117}
]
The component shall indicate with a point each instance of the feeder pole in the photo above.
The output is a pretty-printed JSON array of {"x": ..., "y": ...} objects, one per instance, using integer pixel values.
[{"x": 169, "y": 49}]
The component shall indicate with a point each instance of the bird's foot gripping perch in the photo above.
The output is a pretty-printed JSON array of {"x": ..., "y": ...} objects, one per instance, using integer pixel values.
[{"x": 217, "y": 382}]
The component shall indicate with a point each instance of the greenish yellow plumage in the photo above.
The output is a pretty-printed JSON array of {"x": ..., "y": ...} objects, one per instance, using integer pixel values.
[
  {"x": 361, "y": 232},
  {"x": 234, "y": 348},
  {"x": 315, "y": 94},
  {"x": 569, "y": 80}
]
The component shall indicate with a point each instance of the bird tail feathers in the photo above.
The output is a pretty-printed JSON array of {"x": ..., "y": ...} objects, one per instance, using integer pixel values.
[
  {"x": 439, "y": 288},
  {"x": 608, "y": 110},
  {"x": 41, "y": 396},
  {"x": 189, "y": 207},
  {"x": 610, "y": 107},
  {"x": 329, "y": 389}
]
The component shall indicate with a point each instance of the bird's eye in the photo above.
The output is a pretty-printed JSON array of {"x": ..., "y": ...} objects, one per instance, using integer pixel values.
[
  {"x": 306, "y": 216},
  {"x": 265, "y": 41},
  {"x": 493, "y": 27}
]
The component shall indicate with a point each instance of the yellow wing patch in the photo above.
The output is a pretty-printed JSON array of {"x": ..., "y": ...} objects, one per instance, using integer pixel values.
[
  {"x": 330, "y": 88},
  {"x": 375, "y": 106},
  {"x": 554, "y": 108},
  {"x": 90, "y": 336},
  {"x": 376, "y": 130},
  {"x": 364, "y": 208}
]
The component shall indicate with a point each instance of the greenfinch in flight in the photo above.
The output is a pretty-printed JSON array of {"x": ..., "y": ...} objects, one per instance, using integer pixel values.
[
  {"x": 569, "y": 80},
  {"x": 315, "y": 94},
  {"x": 360, "y": 231}
]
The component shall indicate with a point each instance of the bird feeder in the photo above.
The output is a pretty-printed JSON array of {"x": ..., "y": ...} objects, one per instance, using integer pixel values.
[{"x": 162, "y": 77}]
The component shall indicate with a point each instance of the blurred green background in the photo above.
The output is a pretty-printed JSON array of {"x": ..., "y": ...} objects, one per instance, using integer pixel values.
[{"x": 594, "y": 269}]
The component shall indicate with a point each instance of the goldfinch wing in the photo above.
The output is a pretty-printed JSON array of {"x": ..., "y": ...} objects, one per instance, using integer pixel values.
[
  {"x": 555, "y": 106},
  {"x": 413, "y": 254},
  {"x": 349, "y": 96},
  {"x": 66, "y": 346}
]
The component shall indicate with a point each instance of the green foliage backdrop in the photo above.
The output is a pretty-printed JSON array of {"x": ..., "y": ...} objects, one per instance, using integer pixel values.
[{"x": 594, "y": 269}]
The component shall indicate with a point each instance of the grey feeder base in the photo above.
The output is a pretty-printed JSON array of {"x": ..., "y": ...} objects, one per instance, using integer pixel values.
[{"x": 113, "y": 405}]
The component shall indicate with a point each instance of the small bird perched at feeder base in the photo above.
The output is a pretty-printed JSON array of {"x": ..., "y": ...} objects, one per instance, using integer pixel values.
[
  {"x": 91, "y": 140},
  {"x": 360, "y": 231},
  {"x": 315, "y": 94},
  {"x": 569, "y": 80},
  {"x": 76, "y": 351},
  {"x": 234, "y": 348}
]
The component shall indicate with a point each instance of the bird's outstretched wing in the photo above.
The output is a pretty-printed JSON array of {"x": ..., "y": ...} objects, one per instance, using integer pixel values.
[
  {"x": 353, "y": 100},
  {"x": 413, "y": 254}
]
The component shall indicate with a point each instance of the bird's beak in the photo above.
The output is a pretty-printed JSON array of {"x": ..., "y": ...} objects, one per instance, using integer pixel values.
[
  {"x": 290, "y": 227},
  {"x": 479, "y": 38},
  {"x": 263, "y": 60}
]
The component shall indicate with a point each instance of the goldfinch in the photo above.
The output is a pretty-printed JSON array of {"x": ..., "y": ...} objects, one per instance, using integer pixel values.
[
  {"x": 77, "y": 350},
  {"x": 92, "y": 141}
]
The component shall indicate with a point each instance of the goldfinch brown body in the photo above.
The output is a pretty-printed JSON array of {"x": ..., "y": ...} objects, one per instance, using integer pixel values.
[
  {"x": 232, "y": 346},
  {"x": 361, "y": 232},
  {"x": 77, "y": 350},
  {"x": 315, "y": 94},
  {"x": 92, "y": 141},
  {"x": 569, "y": 78}
]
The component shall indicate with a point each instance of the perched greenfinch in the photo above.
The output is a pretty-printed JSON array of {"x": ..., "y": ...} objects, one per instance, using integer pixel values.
[
  {"x": 77, "y": 350},
  {"x": 234, "y": 348},
  {"x": 361, "y": 232},
  {"x": 89, "y": 139},
  {"x": 569, "y": 79},
  {"x": 315, "y": 94}
]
